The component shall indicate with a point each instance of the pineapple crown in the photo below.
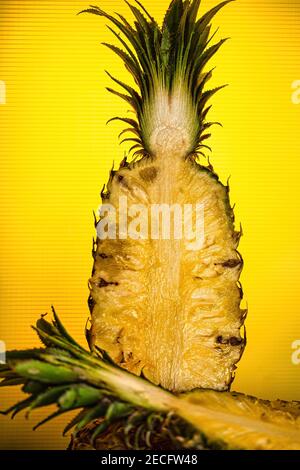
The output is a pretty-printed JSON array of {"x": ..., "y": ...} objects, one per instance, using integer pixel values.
[{"x": 167, "y": 64}]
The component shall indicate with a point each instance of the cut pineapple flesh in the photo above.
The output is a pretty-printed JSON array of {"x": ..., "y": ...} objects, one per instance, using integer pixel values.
[
  {"x": 158, "y": 307},
  {"x": 244, "y": 422}
]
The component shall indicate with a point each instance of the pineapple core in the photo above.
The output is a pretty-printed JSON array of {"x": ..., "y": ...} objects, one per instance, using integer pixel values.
[{"x": 160, "y": 308}]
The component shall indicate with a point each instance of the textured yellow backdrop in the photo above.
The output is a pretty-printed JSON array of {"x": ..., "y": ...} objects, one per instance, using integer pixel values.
[{"x": 56, "y": 152}]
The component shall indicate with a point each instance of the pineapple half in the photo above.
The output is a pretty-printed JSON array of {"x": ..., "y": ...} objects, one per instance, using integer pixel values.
[{"x": 160, "y": 307}]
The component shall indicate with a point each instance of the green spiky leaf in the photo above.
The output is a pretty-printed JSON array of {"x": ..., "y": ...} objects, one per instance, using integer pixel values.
[
  {"x": 46, "y": 373},
  {"x": 166, "y": 63}
]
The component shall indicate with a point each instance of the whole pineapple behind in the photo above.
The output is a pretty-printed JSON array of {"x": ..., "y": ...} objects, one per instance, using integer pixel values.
[{"x": 158, "y": 307}]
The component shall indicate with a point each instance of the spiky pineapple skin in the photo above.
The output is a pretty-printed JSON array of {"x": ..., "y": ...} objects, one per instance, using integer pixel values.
[
  {"x": 167, "y": 435},
  {"x": 172, "y": 433},
  {"x": 161, "y": 309}
]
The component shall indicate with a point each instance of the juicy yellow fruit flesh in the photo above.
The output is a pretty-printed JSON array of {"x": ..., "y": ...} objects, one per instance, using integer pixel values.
[
  {"x": 158, "y": 307},
  {"x": 244, "y": 422}
]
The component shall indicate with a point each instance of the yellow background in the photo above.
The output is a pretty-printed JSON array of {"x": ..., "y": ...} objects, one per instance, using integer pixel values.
[{"x": 56, "y": 152}]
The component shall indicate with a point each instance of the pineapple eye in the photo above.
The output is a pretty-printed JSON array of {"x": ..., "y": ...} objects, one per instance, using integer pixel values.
[
  {"x": 104, "y": 256},
  {"x": 103, "y": 283},
  {"x": 123, "y": 182},
  {"x": 149, "y": 174},
  {"x": 230, "y": 263},
  {"x": 91, "y": 303},
  {"x": 233, "y": 340}
]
